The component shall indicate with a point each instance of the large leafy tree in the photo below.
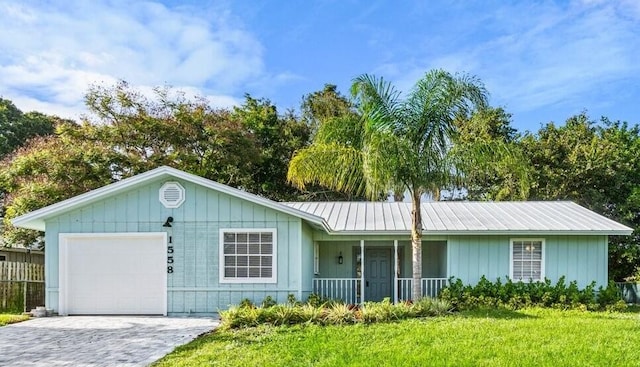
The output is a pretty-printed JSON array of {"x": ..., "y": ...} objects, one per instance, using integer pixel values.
[
  {"x": 501, "y": 180},
  {"x": 277, "y": 137},
  {"x": 167, "y": 129},
  {"x": 47, "y": 170},
  {"x": 596, "y": 164},
  {"x": 129, "y": 133},
  {"x": 16, "y": 127},
  {"x": 398, "y": 145},
  {"x": 325, "y": 104}
]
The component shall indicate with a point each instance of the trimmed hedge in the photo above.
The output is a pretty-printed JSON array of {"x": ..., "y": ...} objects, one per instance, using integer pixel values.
[{"x": 517, "y": 295}]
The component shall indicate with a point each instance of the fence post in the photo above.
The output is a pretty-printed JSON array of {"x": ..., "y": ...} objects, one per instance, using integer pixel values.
[{"x": 24, "y": 296}]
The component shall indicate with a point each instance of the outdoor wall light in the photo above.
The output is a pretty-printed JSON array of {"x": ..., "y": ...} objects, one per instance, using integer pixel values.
[
  {"x": 168, "y": 222},
  {"x": 340, "y": 258}
]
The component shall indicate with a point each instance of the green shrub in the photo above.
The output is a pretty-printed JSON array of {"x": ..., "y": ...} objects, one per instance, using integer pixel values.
[
  {"x": 516, "y": 295},
  {"x": 246, "y": 303},
  {"x": 285, "y": 314},
  {"x": 291, "y": 299},
  {"x": 610, "y": 295},
  {"x": 237, "y": 317},
  {"x": 376, "y": 311},
  {"x": 311, "y": 314},
  {"x": 339, "y": 314},
  {"x": 440, "y": 307},
  {"x": 267, "y": 302},
  {"x": 318, "y": 301}
]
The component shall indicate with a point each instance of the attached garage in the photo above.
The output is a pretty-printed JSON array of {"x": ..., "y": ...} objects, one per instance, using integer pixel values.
[{"x": 113, "y": 274}]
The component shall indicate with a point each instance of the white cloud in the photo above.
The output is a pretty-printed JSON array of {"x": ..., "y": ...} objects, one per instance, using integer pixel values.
[
  {"x": 52, "y": 52},
  {"x": 534, "y": 55}
]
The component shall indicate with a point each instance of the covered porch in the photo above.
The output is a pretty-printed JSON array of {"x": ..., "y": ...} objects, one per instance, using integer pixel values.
[{"x": 371, "y": 270}]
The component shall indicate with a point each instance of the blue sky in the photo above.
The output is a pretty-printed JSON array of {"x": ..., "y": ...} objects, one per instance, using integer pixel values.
[{"x": 540, "y": 60}]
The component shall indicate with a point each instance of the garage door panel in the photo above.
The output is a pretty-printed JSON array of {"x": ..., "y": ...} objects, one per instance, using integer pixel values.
[{"x": 115, "y": 274}]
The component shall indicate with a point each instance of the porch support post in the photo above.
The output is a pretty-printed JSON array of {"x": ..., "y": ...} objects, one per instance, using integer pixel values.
[
  {"x": 362, "y": 283},
  {"x": 395, "y": 271}
]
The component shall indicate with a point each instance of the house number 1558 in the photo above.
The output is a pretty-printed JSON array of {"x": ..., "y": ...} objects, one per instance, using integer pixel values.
[{"x": 170, "y": 259}]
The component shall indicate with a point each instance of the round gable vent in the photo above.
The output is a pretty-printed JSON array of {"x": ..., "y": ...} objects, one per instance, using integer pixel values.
[{"x": 171, "y": 195}]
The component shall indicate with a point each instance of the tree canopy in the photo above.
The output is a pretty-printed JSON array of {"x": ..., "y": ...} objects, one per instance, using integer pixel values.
[
  {"x": 433, "y": 139},
  {"x": 127, "y": 133},
  {"x": 16, "y": 127},
  {"x": 398, "y": 145}
]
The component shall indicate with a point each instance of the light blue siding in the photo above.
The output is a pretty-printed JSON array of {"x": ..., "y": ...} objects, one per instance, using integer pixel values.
[
  {"x": 193, "y": 287},
  {"x": 470, "y": 257},
  {"x": 579, "y": 258},
  {"x": 583, "y": 259}
]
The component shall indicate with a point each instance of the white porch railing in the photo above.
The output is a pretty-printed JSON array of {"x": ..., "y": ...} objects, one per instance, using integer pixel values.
[
  {"x": 348, "y": 289},
  {"x": 345, "y": 289},
  {"x": 431, "y": 287}
]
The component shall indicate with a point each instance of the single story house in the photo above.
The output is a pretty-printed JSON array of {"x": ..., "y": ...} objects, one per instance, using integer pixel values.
[{"x": 171, "y": 243}]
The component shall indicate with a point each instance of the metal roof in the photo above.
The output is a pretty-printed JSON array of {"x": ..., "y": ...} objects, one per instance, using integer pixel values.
[
  {"x": 36, "y": 219},
  {"x": 457, "y": 217},
  {"x": 463, "y": 217}
]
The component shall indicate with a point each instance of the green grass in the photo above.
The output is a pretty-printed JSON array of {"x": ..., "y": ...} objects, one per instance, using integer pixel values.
[
  {"x": 6, "y": 319},
  {"x": 534, "y": 337}
]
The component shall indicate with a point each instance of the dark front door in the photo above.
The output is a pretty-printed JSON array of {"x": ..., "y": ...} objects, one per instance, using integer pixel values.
[{"x": 377, "y": 274}]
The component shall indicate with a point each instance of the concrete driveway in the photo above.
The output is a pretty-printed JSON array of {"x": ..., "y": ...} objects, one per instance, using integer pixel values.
[{"x": 96, "y": 340}]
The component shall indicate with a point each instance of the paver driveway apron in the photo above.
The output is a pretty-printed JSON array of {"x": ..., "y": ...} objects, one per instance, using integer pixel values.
[{"x": 96, "y": 340}]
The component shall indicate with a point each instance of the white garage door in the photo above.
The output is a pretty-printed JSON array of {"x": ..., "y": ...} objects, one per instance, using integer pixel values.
[{"x": 113, "y": 274}]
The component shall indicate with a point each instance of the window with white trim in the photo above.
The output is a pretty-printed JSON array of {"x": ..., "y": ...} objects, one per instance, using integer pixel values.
[
  {"x": 3, "y": 257},
  {"x": 527, "y": 259},
  {"x": 248, "y": 256}
]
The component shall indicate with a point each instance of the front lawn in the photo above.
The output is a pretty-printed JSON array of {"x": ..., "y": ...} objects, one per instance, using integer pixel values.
[
  {"x": 534, "y": 337},
  {"x": 6, "y": 319}
]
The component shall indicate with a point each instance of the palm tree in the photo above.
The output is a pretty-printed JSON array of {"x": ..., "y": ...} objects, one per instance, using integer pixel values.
[{"x": 398, "y": 145}]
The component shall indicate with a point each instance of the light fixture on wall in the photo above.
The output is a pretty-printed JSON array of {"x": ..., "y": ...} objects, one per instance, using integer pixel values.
[
  {"x": 168, "y": 222},
  {"x": 340, "y": 258}
]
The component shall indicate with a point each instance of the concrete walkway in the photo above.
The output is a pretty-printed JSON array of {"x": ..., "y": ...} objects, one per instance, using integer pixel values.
[{"x": 96, "y": 340}]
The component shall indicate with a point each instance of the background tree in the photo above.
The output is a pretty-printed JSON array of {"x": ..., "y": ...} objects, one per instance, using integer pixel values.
[
  {"x": 400, "y": 144},
  {"x": 593, "y": 163},
  {"x": 276, "y": 139},
  {"x": 16, "y": 127},
  {"x": 130, "y": 133},
  {"x": 597, "y": 165},
  {"x": 502, "y": 178},
  {"x": 168, "y": 129},
  {"x": 47, "y": 170},
  {"x": 320, "y": 106}
]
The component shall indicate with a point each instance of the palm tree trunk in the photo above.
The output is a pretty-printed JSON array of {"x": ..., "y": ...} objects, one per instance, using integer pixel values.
[{"x": 416, "y": 246}]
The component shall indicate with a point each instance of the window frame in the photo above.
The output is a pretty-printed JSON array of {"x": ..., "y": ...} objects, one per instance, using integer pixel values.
[
  {"x": 3, "y": 257},
  {"x": 274, "y": 256},
  {"x": 542, "y": 259}
]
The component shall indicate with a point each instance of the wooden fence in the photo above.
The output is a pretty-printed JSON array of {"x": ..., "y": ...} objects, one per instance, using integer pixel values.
[
  {"x": 21, "y": 286},
  {"x": 21, "y": 271}
]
